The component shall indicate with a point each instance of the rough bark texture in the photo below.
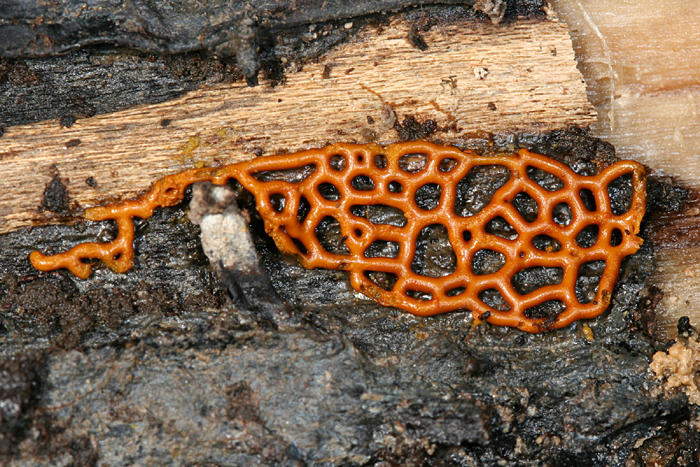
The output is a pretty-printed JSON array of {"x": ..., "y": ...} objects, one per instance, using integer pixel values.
[
  {"x": 121, "y": 54},
  {"x": 31, "y": 29}
]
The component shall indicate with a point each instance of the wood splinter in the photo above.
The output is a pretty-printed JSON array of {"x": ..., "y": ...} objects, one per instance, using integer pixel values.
[{"x": 341, "y": 177}]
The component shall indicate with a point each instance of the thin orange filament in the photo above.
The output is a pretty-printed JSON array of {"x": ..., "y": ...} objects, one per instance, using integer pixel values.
[{"x": 339, "y": 165}]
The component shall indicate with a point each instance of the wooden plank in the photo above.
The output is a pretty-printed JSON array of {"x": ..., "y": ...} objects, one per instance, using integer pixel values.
[{"x": 473, "y": 77}]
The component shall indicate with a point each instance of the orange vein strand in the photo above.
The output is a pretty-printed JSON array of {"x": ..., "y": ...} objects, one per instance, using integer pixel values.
[{"x": 412, "y": 166}]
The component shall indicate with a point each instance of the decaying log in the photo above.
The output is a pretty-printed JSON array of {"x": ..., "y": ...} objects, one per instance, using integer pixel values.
[
  {"x": 157, "y": 361},
  {"x": 471, "y": 78},
  {"x": 130, "y": 59}
]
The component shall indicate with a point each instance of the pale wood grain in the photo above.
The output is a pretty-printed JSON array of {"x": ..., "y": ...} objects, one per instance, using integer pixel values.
[
  {"x": 641, "y": 62},
  {"x": 531, "y": 80}
]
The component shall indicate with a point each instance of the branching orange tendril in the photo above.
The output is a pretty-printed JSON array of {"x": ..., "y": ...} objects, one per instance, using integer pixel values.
[{"x": 340, "y": 164}]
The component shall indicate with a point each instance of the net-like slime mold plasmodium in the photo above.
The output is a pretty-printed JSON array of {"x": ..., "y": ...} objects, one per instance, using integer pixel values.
[{"x": 520, "y": 240}]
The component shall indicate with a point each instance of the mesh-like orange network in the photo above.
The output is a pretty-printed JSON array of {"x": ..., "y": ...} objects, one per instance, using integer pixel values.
[{"x": 338, "y": 186}]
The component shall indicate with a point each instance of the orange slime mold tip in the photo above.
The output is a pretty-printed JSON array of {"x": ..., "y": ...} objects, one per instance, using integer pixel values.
[{"x": 342, "y": 178}]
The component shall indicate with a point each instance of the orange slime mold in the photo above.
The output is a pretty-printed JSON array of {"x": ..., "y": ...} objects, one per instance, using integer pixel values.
[{"x": 391, "y": 176}]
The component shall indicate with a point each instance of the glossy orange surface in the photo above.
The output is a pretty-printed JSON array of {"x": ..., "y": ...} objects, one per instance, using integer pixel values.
[{"x": 410, "y": 166}]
